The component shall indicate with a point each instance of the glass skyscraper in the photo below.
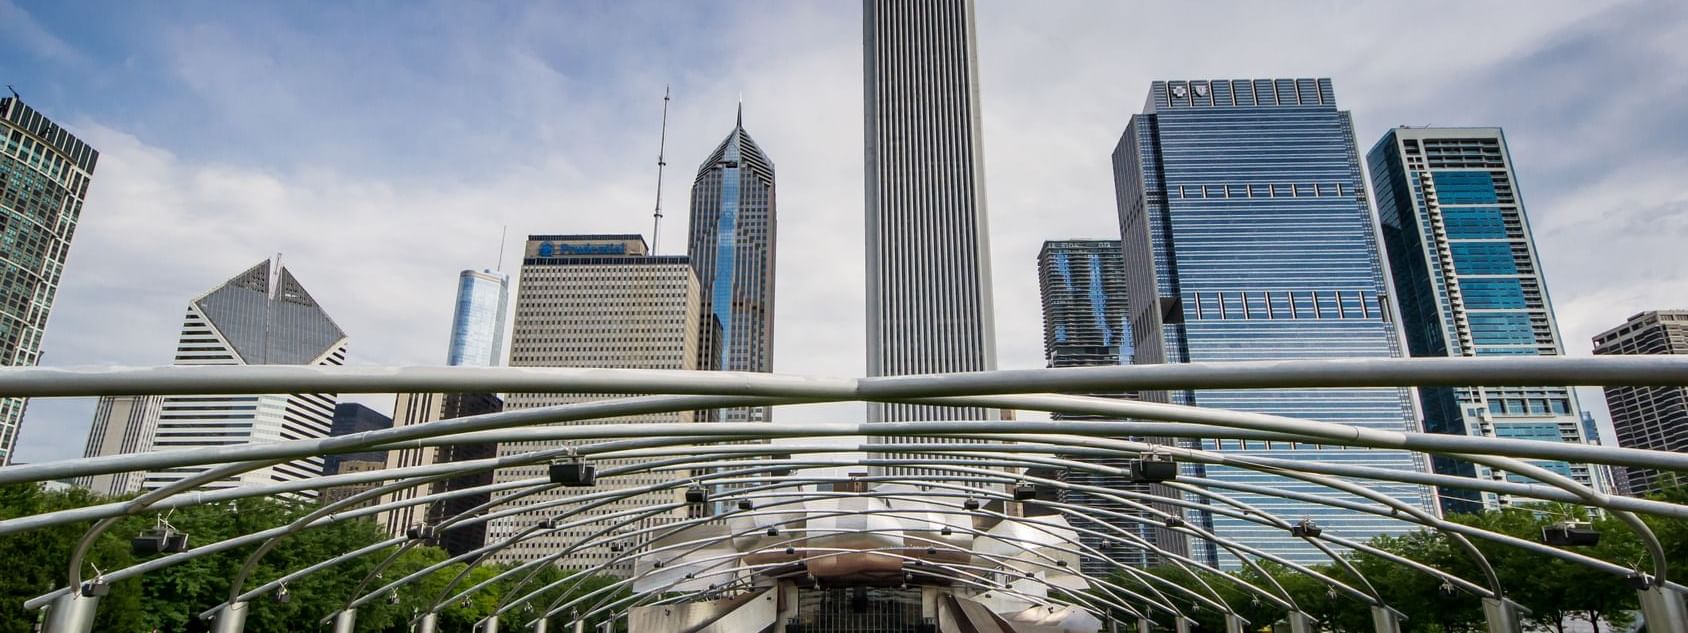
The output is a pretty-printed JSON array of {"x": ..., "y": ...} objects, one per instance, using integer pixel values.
[
  {"x": 732, "y": 248},
  {"x": 1247, "y": 237},
  {"x": 1082, "y": 284},
  {"x": 1469, "y": 284},
  {"x": 477, "y": 325},
  {"x": 44, "y": 176}
]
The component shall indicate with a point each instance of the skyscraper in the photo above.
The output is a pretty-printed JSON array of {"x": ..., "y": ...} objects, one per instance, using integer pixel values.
[
  {"x": 1082, "y": 283},
  {"x": 1247, "y": 236},
  {"x": 928, "y": 244},
  {"x": 732, "y": 249},
  {"x": 122, "y": 424},
  {"x": 477, "y": 325},
  {"x": 477, "y": 340},
  {"x": 260, "y": 317},
  {"x": 1469, "y": 284},
  {"x": 351, "y": 418},
  {"x": 44, "y": 176},
  {"x": 596, "y": 301},
  {"x": 1652, "y": 418}
]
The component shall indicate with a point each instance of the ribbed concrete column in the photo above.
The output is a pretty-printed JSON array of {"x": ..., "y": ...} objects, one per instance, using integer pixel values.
[
  {"x": 71, "y": 613},
  {"x": 1501, "y": 616},
  {"x": 430, "y": 623},
  {"x": 1664, "y": 610},
  {"x": 1385, "y": 620},
  {"x": 1301, "y": 623},
  {"x": 346, "y": 621},
  {"x": 232, "y": 619}
]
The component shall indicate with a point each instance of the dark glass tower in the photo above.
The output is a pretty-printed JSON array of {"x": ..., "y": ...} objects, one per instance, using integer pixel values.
[
  {"x": 1469, "y": 284},
  {"x": 44, "y": 176},
  {"x": 732, "y": 249},
  {"x": 1247, "y": 236},
  {"x": 928, "y": 246}
]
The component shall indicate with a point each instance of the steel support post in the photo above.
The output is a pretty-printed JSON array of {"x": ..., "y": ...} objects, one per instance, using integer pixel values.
[
  {"x": 430, "y": 623},
  {"x": 1234, "y": 623},
  {"x": 1300, "y": 623},
  {"x": 1183, "y": 625},
  {"x": 541, "y": 626},
  {"x": 1145, "y": 626},
  {"x": 1385, "y": 620},
  {"x": 231, "y": 619},
  {"x": 1663, "y": 610},
  {"x": 487, "y": 625},
  {"x": 346, "y": 621},
  {"x": 71, "y": 613},
  {"x": 1502, "y": 616}
]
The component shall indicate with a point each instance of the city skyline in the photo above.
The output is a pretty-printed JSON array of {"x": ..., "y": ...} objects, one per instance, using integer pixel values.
[{"x": 1041, "y": 175}]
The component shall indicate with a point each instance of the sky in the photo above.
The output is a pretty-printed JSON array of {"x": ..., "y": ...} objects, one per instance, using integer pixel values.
[{"x": 381, "y": 147}]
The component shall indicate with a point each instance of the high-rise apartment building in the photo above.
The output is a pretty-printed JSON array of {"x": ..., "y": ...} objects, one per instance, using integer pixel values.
[
  {"x": 44, "y": 176},
  {"x": 1652, "y": 418},
  {"x": 1469, "y": 284},
  {"x": 596, "y": 301},
  {"x": 732, "y": 249},
  {"x": 928, "y": 244},
  {"x": 260, "y": 317},
  {"x": 122, "y": 424},
  {"x": 1247, "y": 236},
  {"x": 1082, "y": 283},
  {"x": 477, "y": 325}
]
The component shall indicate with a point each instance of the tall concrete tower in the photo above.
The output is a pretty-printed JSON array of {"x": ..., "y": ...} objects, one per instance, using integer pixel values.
[{"x": 928, "y": 246}]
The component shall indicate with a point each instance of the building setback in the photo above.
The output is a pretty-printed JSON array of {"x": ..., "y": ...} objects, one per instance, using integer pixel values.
[
  {"x": 1651, "y": 418},
  {"x": 1082, "y": 285},
  {"x": 1469, "y": 284},
  {"x": 596, "y": 301},
  {"x": 928, "y": 244},
  {"x": 122, "y": 424},
  {"x": 44, "y": 177},
  {"x": 731, "y": 248},
  {"x": 1247, "y": 236},
  {"x": 260, "y": 317}
]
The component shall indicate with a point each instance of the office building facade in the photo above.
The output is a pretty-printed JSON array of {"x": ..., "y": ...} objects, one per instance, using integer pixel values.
[
  {"x": 596, "y": 301},
  {"x": 1247, "y": 236},
  {"x": 731, "y": 246},
  {"x": 1469, "y": 284},
  {"x": 350, "y": 418},
  {"x": 1085, "y": 324},
  {"x": 477, "y": 324},
  {"x": 122, "y": 424},
  {"x": 421, "y": 408},
  {"x": 1651, "y": 418},
  {"x": 928, "y": 242},
  {"x": 261, "y": 317},
  {"x": 44, "y": 178}
]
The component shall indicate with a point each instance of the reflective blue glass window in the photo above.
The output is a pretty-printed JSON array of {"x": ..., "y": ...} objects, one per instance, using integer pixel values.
[
  {"x": 1465, "y": 187},
  {"x": 1473, "y": 223},
  {"x": 1492, "y": 293},
  {"x": 1484, "y": 258},
  {"x": 1501, "y": 328}
]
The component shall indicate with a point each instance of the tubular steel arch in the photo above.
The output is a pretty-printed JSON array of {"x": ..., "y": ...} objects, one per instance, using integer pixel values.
[{"x": 974, "y": 456}]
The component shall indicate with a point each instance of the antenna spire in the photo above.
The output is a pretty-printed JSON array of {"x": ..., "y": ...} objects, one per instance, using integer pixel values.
[
  {"x": 502, "y": 234},
  {"x": 741, "y": 111},
  {"x": 662, "y": 145}
]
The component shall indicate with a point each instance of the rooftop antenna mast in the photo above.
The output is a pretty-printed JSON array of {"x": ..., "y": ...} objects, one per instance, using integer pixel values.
[
  {"x": 662, "y": 146},
  {"x": 14, "y": 92},
  {"x": 502, "y": 234}
]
